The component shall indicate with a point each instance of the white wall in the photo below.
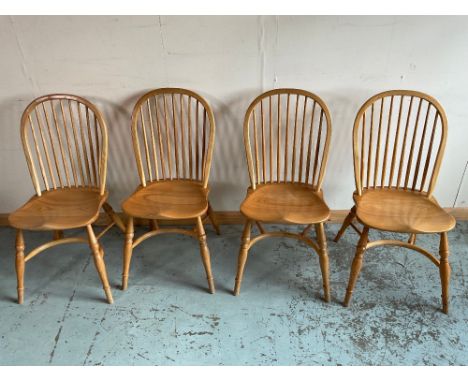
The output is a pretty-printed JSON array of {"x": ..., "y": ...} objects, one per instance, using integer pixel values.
[{"x": 230, "y": 60}]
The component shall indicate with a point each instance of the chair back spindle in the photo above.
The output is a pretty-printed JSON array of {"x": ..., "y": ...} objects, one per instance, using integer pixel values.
[
  {"x": 173, "y": 136},
  {"x": 399, "y": 137},
  {"x": 287, "y": 136},
  {"x": 65, "y": 142}
]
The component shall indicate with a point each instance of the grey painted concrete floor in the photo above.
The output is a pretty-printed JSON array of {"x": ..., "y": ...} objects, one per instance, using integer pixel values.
[{"x": 166, "y": 317}]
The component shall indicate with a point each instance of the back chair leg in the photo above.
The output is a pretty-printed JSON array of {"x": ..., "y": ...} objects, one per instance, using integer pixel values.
[
  {"x": 205, "y": 254},
  {"x": 444, "y": 270},
  {"x": 115, "y": 217},
  {"x": 99, "y": 262},
  {"x": 244, "y": 250},
  {"x": 213, "y": 221},
  {"x": 412, "y": 239},
  {"x": 357, "y": 264},
  {"x": 20, "y": 264},
  {"x": 153, "y": 225},
  {"x": 58, "y": 234},
  {"x": 261, "y": 228},
  {"x": 323, "y": 258},
  {"x": 348, "y": 220},
  {"x": 127, "y": 255}
]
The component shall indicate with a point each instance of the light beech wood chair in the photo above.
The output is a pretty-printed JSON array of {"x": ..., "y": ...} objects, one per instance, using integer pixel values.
[
  {"x": 286, "y": 136},
  {"x": 173, "y": 133},
  {"x": 399, "y": 139},
  {"x": 65, "y": 142}
]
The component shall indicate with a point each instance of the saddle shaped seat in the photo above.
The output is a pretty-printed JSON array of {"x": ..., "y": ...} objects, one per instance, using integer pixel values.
[
  {"x": 168, "y": 199},
  {"x": 399, "y": 210},
  {"x": 59, "y": 209},
  {"x": 285, "y": 203}
]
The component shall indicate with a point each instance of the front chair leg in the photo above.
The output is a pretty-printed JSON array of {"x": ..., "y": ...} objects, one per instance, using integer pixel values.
[
  {"x": 127, "y": 254},
  {"x": 205, "y": 254},
  {"x": 444, "y": 270},
  {"x": 99, "y": 262},
  {"x": 244, "y": 250},
  {"x": 357, "y": 264},
  {"x": 20, "y": 264},
  {"x": 323, "y": 258},
  {"x": 346, "y": 223}
]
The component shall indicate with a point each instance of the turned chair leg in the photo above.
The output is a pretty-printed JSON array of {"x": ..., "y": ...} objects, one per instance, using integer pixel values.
[
  {"x": 205, "y": 254},
  {"x": 213, "y": 221},
  {"x": 323, "y": 258},
  {"x": 127, "y": 253},
  {"x": 20, "y": 265},
  {"x": 357, "y": 264},
  {"x": 444, "y": 270},
  {"x": 244, "y": 250},
  {"x": 99, "y": 262},
  {"x": 348, "y": 220}
]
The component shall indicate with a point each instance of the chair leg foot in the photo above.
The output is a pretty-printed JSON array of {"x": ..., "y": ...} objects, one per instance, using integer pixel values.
[
  {"x": 109, "y": 297},
  {"x": 211, "y": 286},
  {"x": 20, "y": 295},
  {"x": 348, "y": 220},
  {"x": 124, "y": 285},
  {"x": 205, "y": 254},
  {"x": 356, "y": 265},
  {"x": 19, "y": 263},
  {"x": 127, "y": 253},
  {"x": 243, "y": 252}
]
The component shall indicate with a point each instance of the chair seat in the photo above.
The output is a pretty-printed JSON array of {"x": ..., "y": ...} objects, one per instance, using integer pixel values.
[
  {"x": 285, "y": 203},
  {"x": 169, "y": 199},
  {"x": 399, "y": 210},
  {"x": 59, "y": 209}
]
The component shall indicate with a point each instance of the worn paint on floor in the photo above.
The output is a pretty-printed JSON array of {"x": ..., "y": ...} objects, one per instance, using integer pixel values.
[{"x": 166, "y": 317}]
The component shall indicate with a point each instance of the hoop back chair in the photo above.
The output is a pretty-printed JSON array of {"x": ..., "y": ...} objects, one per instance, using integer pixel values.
[
  {"x": 65, "y": 143},
  {"x": 286, "y": 137},
  {"x": 173, "y": 133},
  {"x": 399, "y": 138}
]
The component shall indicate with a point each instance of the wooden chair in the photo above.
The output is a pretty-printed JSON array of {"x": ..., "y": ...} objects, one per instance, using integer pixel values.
[
  {"x": 173, "y": 134},
  {"x": 65, "y": 142},
  {"x": 286, "y": 136},
  {"x": 399, "y": 138}
]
